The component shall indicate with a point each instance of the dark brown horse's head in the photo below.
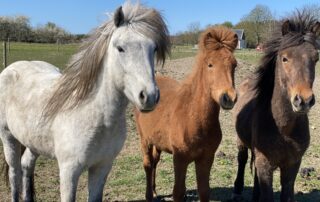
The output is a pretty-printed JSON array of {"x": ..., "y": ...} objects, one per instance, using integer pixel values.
[
  {"x": 218, "y": 62},
  {"x": 296, "y": 66}
]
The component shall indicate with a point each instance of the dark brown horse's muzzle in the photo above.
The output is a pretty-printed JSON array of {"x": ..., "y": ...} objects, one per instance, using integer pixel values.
[{"x": 302, "y": 105}]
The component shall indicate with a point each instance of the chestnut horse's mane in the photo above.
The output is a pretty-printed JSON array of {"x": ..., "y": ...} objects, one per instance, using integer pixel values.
[
  {"x": 300, "y": 25},
  {"x": 217, "y": 38}
]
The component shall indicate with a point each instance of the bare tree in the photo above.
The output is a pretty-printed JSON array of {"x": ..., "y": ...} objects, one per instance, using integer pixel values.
[{"x": 260, "y": 20}]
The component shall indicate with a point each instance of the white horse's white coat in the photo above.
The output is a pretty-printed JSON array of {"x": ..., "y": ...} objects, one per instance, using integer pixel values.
[{"x": 88, "y": 136}]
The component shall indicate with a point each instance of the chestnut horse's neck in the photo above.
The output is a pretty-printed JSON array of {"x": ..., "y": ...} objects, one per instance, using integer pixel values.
[
  {"x": 196, "y": 92},
  {"x": 281, "y": 107}
]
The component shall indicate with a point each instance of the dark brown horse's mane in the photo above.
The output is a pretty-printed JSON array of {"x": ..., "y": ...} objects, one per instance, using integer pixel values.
[{"x": 300, "y": 25}]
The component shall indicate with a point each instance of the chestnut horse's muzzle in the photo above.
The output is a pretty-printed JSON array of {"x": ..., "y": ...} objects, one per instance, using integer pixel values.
[{"x": 226, "y": 102}]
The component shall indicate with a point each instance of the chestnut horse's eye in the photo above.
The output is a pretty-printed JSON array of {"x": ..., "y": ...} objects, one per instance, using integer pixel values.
[
  {"x": 284, "y": 59},
  {"x": 120, "y": 49},
  {"x": 210, "y": 65}
]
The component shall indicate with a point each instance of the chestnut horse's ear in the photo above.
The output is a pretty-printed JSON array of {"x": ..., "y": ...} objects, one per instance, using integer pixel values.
[
  {"x": 316, "y": 29},
  {"x": 118, "y": 17},
  {"x": 286, "y": 27}
]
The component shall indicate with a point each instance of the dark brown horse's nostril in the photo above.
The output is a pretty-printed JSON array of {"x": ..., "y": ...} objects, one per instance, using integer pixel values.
[
  {"x": 297, "y": 101},
  {"x": 310, "y": 101}
]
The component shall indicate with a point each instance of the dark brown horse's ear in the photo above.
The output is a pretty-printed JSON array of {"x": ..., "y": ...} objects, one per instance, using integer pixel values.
[
  {"x": 286, "y": 27},
  {"x": 316, "y": 29},
  {"x": 118, "y": 17}
]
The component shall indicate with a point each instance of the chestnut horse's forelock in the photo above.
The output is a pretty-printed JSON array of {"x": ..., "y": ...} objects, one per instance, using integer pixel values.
[{"x": 218, "y": 37}]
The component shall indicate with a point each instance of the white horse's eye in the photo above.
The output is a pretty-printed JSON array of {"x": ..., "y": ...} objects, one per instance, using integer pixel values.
[
  {"x": 155, "y": 49},
  {"x": 120, "y": 49}
]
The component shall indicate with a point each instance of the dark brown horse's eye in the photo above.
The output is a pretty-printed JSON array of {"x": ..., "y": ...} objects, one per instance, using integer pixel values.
[
  {"x": 210, "y": 65},
  {"x": 284, "y": 59}
]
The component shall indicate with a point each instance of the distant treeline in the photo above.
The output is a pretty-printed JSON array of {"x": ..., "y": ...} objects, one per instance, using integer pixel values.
[
  {"x": 18, "y": 29},
  {"x": 257, "y": 25}
]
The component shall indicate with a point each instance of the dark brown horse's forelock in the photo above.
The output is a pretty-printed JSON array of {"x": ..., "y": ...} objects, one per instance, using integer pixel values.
[{"x": 300, "y": 25}]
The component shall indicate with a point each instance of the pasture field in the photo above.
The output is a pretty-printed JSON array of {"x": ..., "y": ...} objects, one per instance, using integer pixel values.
[{"x": 126, "y": 181}]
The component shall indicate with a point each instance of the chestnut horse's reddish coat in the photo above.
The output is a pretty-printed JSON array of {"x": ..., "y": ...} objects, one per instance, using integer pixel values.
[{"x": 186, "y": 121}]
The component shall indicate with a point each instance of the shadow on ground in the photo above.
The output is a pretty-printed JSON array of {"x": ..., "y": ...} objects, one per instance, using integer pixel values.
[{"x": 224, "y": 195}]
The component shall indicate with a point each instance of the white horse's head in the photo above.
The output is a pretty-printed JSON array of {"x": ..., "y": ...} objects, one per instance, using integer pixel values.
[
  {"x": 131, "y": 53},
  {"x": 125, "y": 47}
]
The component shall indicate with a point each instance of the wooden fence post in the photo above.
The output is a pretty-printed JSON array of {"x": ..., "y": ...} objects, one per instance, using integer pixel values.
[
  {"x": 4, "y": 54},
  {"x": 8, "y": 44}
]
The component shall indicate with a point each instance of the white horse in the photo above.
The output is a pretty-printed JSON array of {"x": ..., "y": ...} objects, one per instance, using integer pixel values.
[{"x": 78, "y": 117}]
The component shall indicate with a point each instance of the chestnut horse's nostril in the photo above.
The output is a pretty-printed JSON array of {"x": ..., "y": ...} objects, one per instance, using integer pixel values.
[
  {"x": 226, "y": 98},
  {"x": 143, "y": 97},
  {"x": 310, "y": 101},
  {"x": 226, "y": 102}
]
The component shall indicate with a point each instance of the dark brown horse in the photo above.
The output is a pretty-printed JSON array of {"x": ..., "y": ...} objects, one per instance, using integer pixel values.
[
  {"x": 271, "y": 114},
  {"x": 186, "y": 121}
]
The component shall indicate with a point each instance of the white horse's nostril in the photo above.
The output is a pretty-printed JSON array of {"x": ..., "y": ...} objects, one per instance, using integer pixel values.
[{"x": 143, "y": 97}]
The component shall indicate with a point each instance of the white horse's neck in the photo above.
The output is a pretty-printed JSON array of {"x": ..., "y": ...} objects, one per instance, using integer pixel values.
[{"x": 110, "y": 98}]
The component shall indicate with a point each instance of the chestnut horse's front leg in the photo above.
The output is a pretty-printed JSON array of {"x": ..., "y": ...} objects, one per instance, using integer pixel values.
[
  {"x": 203, "y": 167},
  {"x": 288, "y": 177},
  {"x": 180, "y": 169},
  {"x": 264, "y": 171}
]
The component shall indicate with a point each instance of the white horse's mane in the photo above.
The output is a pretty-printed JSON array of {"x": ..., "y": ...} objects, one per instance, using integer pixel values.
[{"x": 80, "y": 76}]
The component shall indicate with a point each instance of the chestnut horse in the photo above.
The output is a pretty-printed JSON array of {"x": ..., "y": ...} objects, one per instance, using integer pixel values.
[
  {"x": 186, "y": 120},
  {"x": 271, "y": 114}
]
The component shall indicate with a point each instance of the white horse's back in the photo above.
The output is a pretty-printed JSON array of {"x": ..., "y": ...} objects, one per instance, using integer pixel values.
[{"x": 24, "y": 87}]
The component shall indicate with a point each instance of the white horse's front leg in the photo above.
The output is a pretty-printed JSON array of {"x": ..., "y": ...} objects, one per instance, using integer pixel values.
[
  {"x": 97, "y": 178},
  {"x": 69, "y": 176},
  {"x": 28, "y": 162}
]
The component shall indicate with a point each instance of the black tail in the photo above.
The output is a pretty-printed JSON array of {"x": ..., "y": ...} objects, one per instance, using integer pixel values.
[{"x": 252, "y": 160}]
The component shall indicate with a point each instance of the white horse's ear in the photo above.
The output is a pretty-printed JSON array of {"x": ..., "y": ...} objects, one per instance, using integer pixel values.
[{"x": 118, "y": 17}]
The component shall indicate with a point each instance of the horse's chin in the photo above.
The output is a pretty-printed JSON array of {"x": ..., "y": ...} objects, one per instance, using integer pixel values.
[{"x": 300, "y": 111}]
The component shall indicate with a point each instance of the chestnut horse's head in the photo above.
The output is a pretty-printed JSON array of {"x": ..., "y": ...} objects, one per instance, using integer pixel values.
[
  {"x": 296, "y": 65},
  {"x": 218, "y": 62}
]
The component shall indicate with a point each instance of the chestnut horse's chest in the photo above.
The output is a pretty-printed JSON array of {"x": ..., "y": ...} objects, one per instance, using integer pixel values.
[{"x": 196, "y": 139}]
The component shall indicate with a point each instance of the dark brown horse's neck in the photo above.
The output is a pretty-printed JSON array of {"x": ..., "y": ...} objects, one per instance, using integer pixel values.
[
  {"x": 281, "y": 108},
  {"x": 199, "y": 98}
]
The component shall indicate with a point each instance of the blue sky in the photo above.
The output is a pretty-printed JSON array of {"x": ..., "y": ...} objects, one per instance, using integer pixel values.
[{"x": 80, "y": 16}]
